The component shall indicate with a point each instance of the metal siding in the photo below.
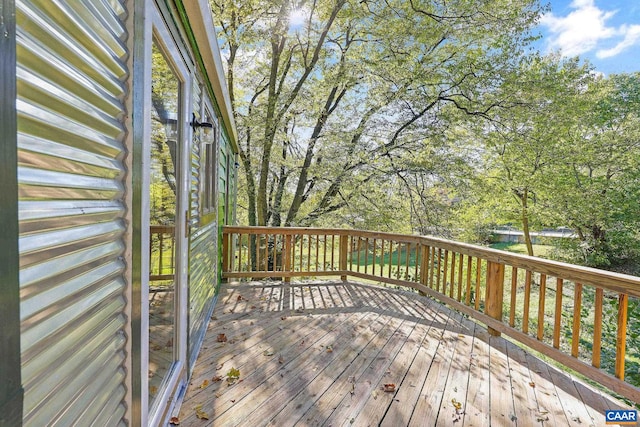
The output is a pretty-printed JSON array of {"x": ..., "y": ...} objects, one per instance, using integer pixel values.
[
  {"x": 194, "y": 190},
  {"x": 71, "y": 74},
  {"x": 202, "y": 251}
]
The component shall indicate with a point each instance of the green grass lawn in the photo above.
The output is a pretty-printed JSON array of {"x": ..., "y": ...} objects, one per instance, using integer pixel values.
[{"x": 520, "y": 248}]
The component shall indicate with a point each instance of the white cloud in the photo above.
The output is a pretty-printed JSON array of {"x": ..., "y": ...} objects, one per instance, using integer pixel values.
[
  {"x": 585, "y": 29},
  {"x": 631, "y": 38}
]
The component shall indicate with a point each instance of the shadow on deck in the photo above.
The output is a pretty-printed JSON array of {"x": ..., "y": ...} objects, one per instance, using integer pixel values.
[{"x": 320, "y": 353}]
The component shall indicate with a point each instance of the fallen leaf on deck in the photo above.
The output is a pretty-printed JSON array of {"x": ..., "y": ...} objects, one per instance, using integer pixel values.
[
  {"x": 532, "y": 384},
  {"x": 216, "y": 379},
  {"x": 268, "y": 353},
  {"x": 456, "y": 405},
  {"x": 204, "y": 384},
  {"x": 374, "y": 393},
  {"x": 389, "y": 387},
  {"x": 153, "y": 389},
  {"x": 174, "y": 421},
  {"x": 280, "y": 359},
  {"x": 222, "y": 338},
  {"x": 218, "y": 394},
  {"x": 329, "y": 349},
  {"x": 201, "y": 414},
  {"x": 233, "y": 375},
  {"x": 219, "y": 366},
  {"x": 240, "y": 298}
]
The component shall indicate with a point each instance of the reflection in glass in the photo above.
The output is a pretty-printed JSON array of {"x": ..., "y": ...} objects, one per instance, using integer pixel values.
[{"x": 162, "y": 200}]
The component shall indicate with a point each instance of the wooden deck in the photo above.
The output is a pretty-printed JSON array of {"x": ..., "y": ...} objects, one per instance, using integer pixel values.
[{"x": 320, "y": 353}]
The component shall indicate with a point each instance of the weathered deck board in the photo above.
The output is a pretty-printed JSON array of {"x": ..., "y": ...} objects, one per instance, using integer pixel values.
[{"x": 317, "y": 354}]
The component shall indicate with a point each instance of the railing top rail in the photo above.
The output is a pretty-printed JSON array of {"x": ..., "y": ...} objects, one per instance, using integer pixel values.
[{"x": 617, "y": 282}]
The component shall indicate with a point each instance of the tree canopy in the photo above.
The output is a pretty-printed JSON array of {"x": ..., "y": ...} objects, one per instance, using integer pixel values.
[{"x": 427, "y": 116}]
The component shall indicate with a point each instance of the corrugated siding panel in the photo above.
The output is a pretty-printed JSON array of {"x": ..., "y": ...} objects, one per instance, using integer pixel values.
[
  {"x": 71, "y": 71},
  {"x": 194, "y": 213},
  {"x": 203, "y": 250},
  {"x": 202, "y": 284}
]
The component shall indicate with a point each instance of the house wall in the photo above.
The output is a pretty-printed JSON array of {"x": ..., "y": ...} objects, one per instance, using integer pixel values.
[
  {"x": 81, "y": 262},
  {"x": 71, "y": 87}
]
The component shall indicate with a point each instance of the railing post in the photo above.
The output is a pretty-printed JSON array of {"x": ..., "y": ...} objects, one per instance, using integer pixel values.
[
  {"x": 495, "y": 292},
  {"x": 287, "y": 257},
  {"x": 225, "y": 252},
  {"x": 621, "y": 340},
  {"x": 344, "y": 248}
]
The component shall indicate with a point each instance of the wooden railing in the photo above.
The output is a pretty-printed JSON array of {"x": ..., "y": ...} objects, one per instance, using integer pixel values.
[
  {"x": 558, "y": 309},
  {"x": 162, "y": 252}
]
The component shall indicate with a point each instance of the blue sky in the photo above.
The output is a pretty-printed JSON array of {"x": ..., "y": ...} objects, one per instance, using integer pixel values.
[{"x": 606, "y": 32}]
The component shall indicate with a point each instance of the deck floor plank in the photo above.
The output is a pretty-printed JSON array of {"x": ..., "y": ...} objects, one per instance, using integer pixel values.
[
  {"x": 427, "y": 408},
  {"x": 476, "y": 407},
  {"x": 318, "y": 353}
]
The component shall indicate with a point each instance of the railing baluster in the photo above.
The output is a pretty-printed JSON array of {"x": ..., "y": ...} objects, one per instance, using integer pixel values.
[
  {"x": 478, "y": 275},
  {"x": 514, "y": 294},
  {"x": 407, "y": 261},
  {"x": 527, "y": 301},
  {"x": 557, "y": 322},
  {"x": 366, "y": 254},
  {"x": 453, "y": 274},
  {"x": 432, "y": 267},
  {"x": 287, "y": 257},
  {"x": 467, "y": 299},
  {"x": 597, "y": 328},
  {"x": 460, "y": 268},
  {"x": 577, "y": 307},
  {"x": 239, "y": 253},
  {"x": 444, "y": 271},
  {"x": 344, "y": 248},
  {"x": 541, "y": 300}
]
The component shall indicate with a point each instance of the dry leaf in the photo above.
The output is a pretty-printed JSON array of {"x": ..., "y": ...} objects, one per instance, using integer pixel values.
[
  {"x": 329, "y": 349},
  {"x": 389, "y": 387},
  {"x": 219, "y": 366},
  {"x": 456, "y": 404},
  {"x": 153, "y": 389},
  {"x": 222, "y": 338},
  {"x": 174, "y": 421},
  {"x": 201, "y": 414},
  {"x": 532, "y": 384},
  {"x": 204, "y": 384},
  {"x": 240, "y": 298},
  {"x": 268, "y": 353},
  {"x": 216, "y": 379}
]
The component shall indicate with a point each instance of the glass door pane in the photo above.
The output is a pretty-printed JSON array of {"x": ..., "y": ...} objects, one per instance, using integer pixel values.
[{"x": 163, "y": 200}]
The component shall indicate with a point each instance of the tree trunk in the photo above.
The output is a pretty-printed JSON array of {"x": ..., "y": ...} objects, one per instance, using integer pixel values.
[{"x": 525, "y": 221}]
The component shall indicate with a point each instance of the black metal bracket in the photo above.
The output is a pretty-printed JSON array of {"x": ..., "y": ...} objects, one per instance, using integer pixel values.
[{"x": 196, "y": 124}]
